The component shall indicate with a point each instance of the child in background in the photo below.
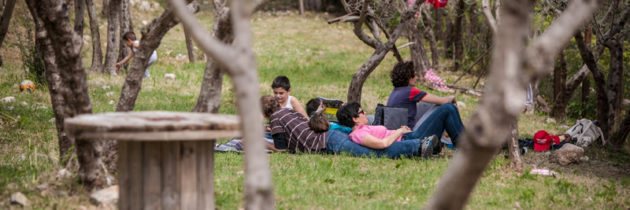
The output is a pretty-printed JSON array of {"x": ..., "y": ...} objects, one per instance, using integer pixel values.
[
  {"x": 281, "y": 90},
  {"x": 131, "y": 42}
]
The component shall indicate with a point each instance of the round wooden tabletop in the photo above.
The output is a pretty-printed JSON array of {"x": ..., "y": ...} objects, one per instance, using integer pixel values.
[{"x": 153, "y": 126}]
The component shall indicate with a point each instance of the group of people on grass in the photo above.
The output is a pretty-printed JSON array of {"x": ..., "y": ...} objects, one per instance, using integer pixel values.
[
  {"x": 289, "y": 126},
  {"x": 289, "y": 122}
]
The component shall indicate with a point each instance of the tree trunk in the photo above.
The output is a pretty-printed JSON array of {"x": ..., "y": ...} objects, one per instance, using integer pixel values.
[
  {"x": 210, "y": 95},
  {"x": 439, "y": 36},
  {"x": 125, "y": 26},
  {"x": 97, "y": 52},
  {"x": 239, "y": 61},
  {"x": 619, "y": 138},
  {"x": 5, "y": 20},
  {"x": 212, "y": 84},
  {"x": 53, "y": 79},
  {"x": 603, "y": 107},
  {"x": 449, "y": 36},
  {"x": 559, "y": 75},
  {"x": 458, "y": 34},
  {"x": 472, "y": 32},
  {"x": 418, "y": 54},
  {"x": 79, "y": 16},
  {"x": 105, "y": 11},
  {"x": 513, "y": 67},
  {"x": 513, "y": 150},
  {"x": 428, "y": 33},
  {"x": 113, "y": 39},
  {"x": 615, "y": 82},
  {"x": 67, "y": 48},
  {"x": 586, "y": 92},
  {"x": 561, "y": 100},
  {"x": 190, "y": 48},
  {"x": 356, "y": 85},
  {"x": 301, "y": 2},
  {"x": 152, "y": 35}
]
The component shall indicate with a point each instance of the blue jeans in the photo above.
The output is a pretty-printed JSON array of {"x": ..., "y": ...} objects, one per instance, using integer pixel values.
[
  {"x": 339, "y": 142},
  {"x": 446, "y": 117}
]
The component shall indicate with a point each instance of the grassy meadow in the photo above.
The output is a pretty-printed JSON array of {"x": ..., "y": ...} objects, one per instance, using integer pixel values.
[{"x": 320, "y": 60}]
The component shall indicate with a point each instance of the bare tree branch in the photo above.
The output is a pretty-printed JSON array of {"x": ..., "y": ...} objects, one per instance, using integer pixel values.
[
  {"x": 542, "y": 52},
  {"x": 346, "y": 7},
  {"x": 358, "y": 31},
  {"x": 485, "y": 6},
  {"x": 345, "y": 18},
  {"x": 212, "y": 47}
]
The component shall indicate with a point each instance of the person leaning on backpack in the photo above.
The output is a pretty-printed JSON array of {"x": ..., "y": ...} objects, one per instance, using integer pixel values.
[{"x": 406, "y": 95}]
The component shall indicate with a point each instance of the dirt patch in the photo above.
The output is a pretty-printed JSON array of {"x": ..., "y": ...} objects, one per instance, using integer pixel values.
[{"x": 603, "y": 163}]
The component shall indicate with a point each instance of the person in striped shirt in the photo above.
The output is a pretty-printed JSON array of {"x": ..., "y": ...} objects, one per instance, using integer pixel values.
[{"x": 290, "y": 131}]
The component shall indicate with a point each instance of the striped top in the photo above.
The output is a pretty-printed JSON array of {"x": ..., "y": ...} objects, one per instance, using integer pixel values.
[{"x": 299, "y": 136}]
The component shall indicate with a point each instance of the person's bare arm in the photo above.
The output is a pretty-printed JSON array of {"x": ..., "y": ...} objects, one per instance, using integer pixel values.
[
  {"x": 298, "y": 107},
  {"x": 124, "y": 60},
  {"x": 376, "y": 143},
  {"x": 430, "y": 98}
]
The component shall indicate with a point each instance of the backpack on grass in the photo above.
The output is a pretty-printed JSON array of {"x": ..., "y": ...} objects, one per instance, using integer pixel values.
[
  {"x": 390, "y": 117},
  {"x": 585, "y": 132}
]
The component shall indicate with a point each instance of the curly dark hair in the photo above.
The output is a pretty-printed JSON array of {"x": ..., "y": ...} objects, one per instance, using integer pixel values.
[
  {"x": 269, "y": 105},
  {"x": 402, "y": 73},
  {"x": 347, "y": 112}
]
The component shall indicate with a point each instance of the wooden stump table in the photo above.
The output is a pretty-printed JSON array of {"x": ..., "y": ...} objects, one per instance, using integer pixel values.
[{"x": 165, "y": 159}]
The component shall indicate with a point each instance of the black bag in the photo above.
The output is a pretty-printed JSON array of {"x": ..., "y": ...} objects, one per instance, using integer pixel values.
[{"x": 391, "y": 117}]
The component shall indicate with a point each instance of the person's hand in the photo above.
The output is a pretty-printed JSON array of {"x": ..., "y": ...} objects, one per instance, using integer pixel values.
[
  {"x": 117, "y": 66},
  {"x": 321, "y": 108},
  {"x": 451, "y": 99},
  {"x": 404, "y": 129}
]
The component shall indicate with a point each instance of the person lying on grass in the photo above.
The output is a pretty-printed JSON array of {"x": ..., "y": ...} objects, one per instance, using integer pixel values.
[
  {"x": 379, "y": 137},
  {"x": 315, "y": 105},
  {"x": 290, "y": 130}
]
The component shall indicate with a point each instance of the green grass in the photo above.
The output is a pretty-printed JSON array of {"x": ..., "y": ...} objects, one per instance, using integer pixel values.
[{"x": 320, "y": 60}]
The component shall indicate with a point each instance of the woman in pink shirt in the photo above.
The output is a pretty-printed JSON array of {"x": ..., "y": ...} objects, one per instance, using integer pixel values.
[{"x": 378, "y": 136}]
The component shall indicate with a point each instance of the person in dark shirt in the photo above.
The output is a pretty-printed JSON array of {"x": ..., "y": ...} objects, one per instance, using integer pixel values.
[{"x": 406, "y": 95}]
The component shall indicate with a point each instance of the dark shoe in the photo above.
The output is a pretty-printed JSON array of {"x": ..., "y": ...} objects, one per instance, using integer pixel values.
[
  {"x": 438, "y": 148},
  {"x": 427, "y": 146}
]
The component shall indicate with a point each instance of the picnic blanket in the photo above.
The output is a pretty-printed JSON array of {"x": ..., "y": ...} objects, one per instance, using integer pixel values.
[{"x": 235, "y": 145}]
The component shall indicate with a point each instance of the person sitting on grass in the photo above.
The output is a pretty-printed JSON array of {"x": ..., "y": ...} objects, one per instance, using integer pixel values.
[
  {"x": 316, "y": 105},
  {"x": 133, "y": 44},
  {"x": 379, "y": 137},
  {"x": 290, "y": 131},
  {"x": 281, "y": 89},
  {"x": 405, "y": 95}
]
